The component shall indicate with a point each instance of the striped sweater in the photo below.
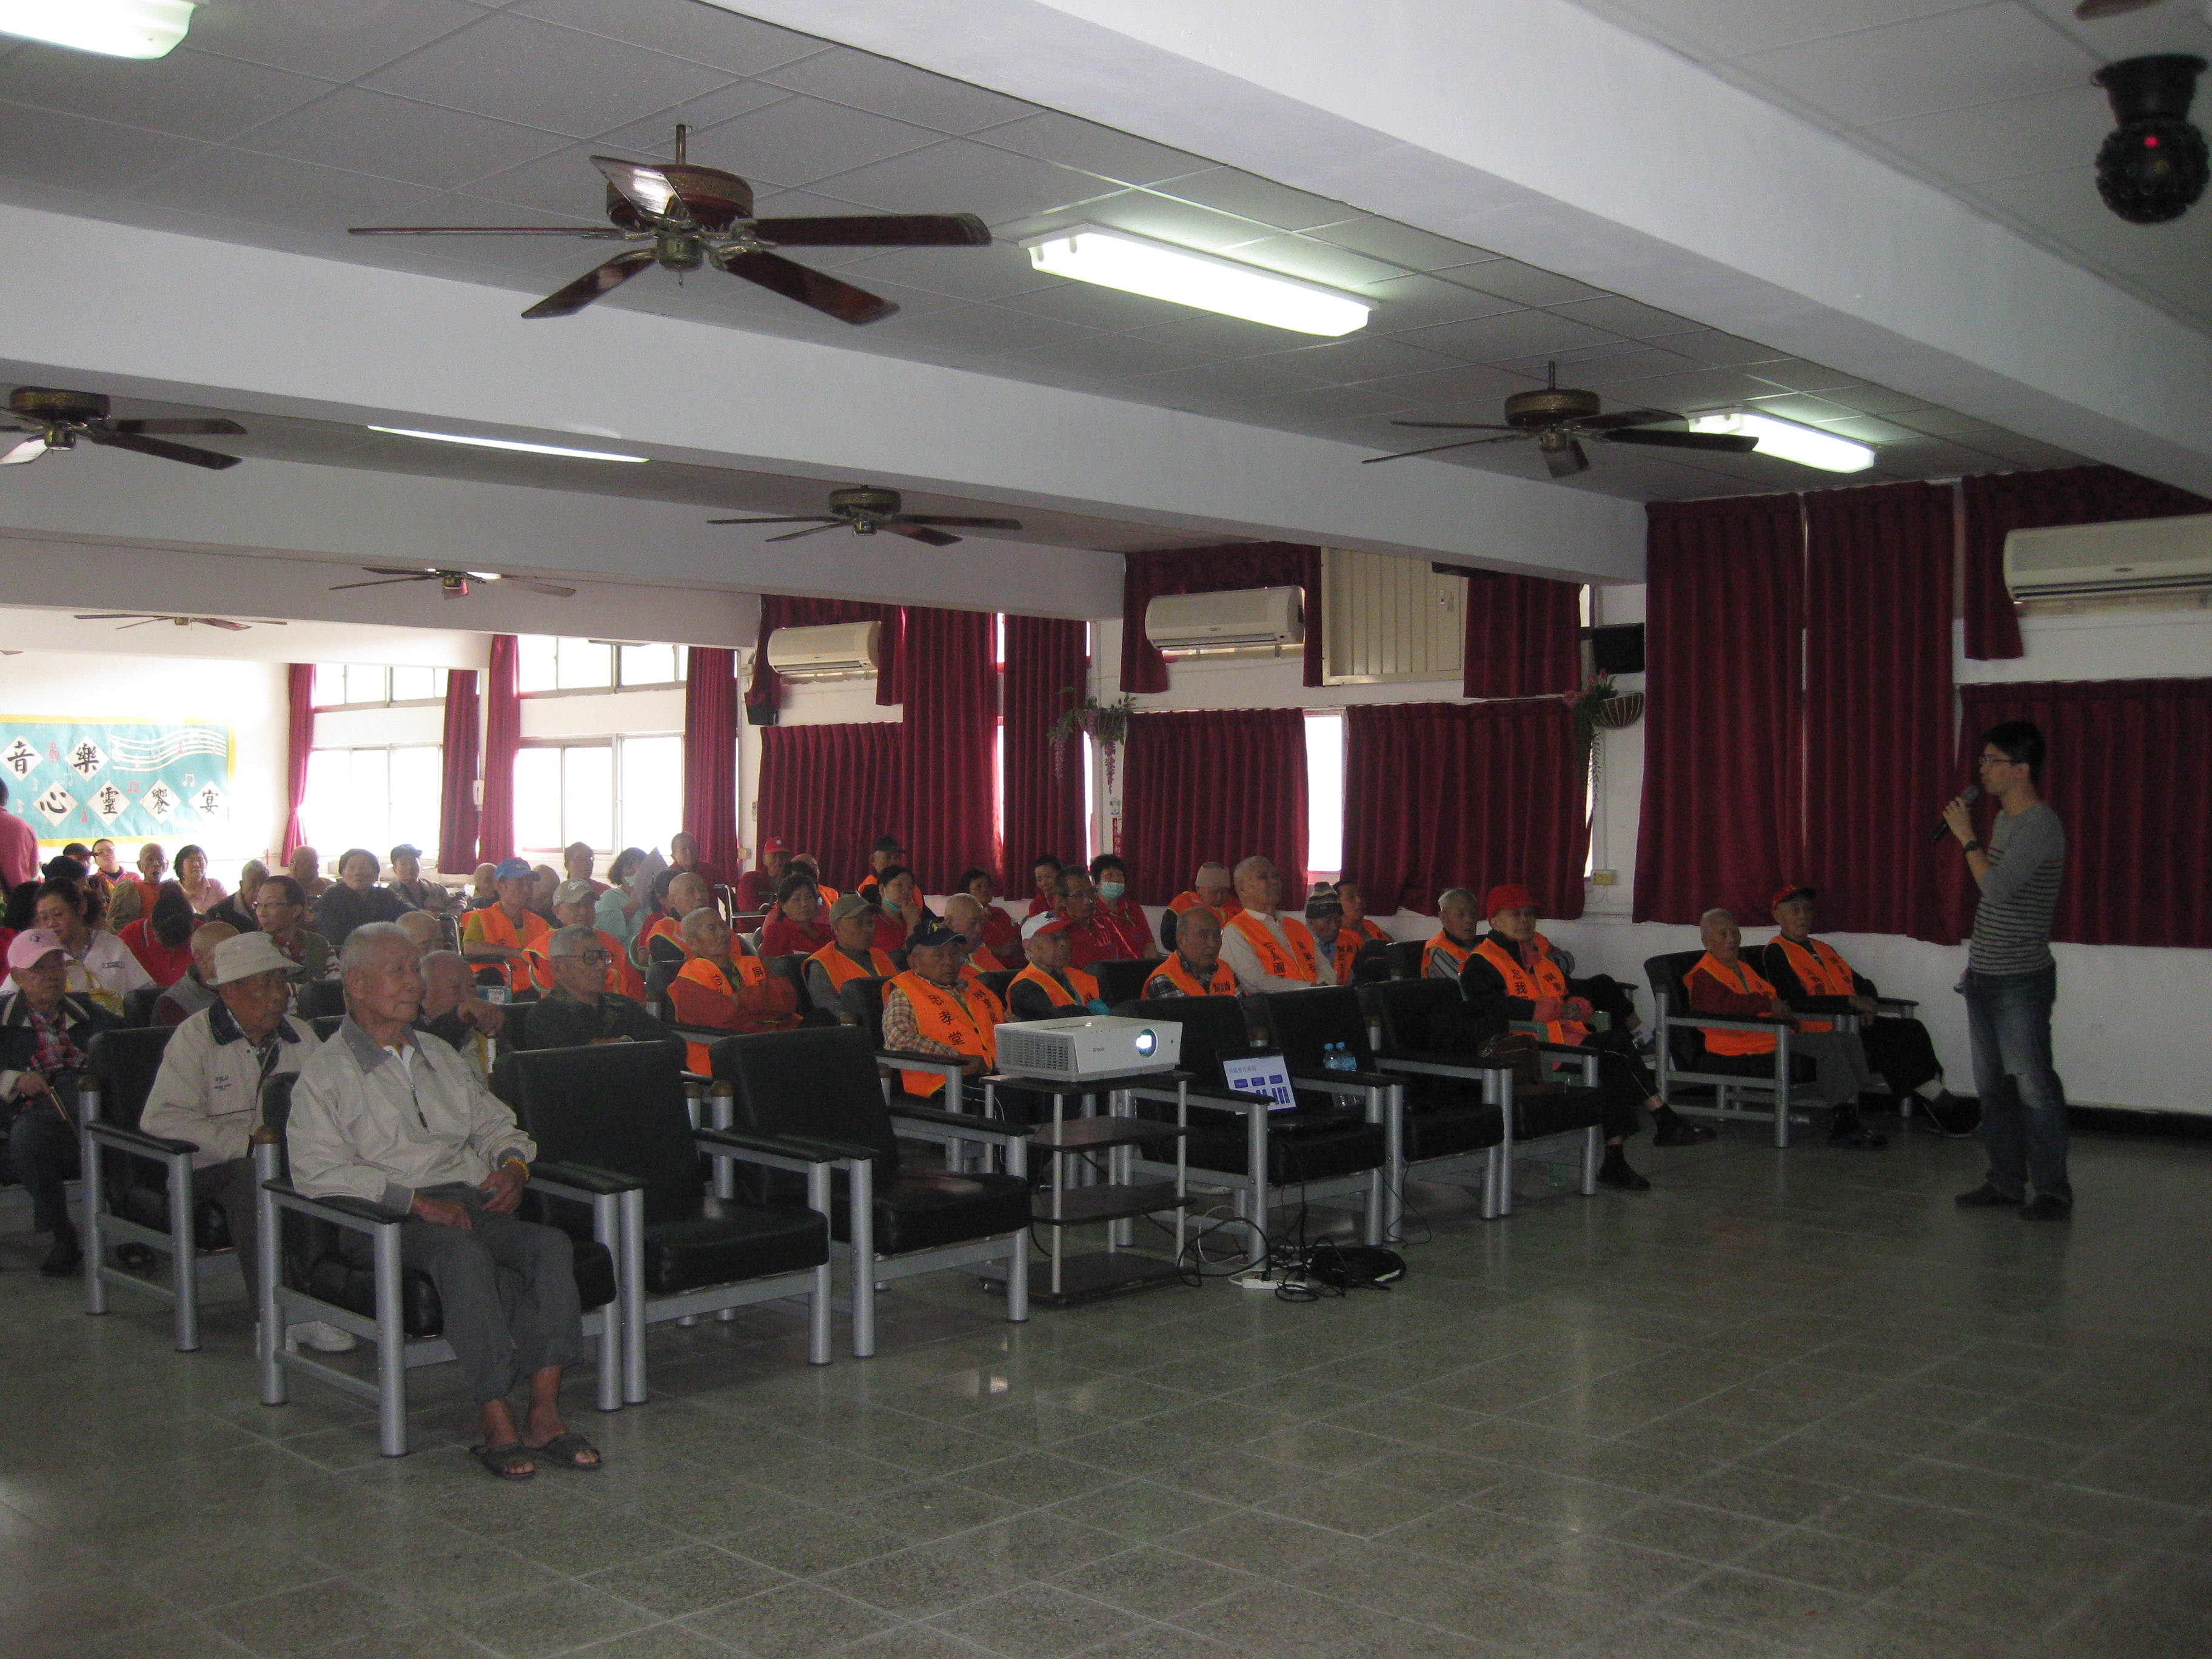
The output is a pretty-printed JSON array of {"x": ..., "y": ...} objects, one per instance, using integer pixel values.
[{"x": 2020, "y": 894}]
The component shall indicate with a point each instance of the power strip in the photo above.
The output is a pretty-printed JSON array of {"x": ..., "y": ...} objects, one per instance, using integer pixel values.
[{"x": 1268, "y": 1278}]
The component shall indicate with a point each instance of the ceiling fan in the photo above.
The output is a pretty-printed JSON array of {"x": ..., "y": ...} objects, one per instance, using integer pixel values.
[
  {"x": 869, "y": 510},
  {"x": 55, "y": 420},
  {"x": 2090, "y": 10},
  {"x": 143, "y": 617},
  {"x": 693, "y": 215},
  {"x": 454, "y": 583},
  {"x": 1559, "y": 416}
]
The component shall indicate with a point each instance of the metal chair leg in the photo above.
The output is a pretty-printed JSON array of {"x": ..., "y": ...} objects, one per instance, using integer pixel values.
[
  {"x": 630, "y": 1263},
  {"x": 391, "y": 1347},
  {"x": 95, "y": 1210},
  {"x": 269, "y": 1338},
  {"x": 860, "y": 1205},
  {"x": 184, "y": 1256},
  {"x": 606, "y": 1227},
  {"x": 1593, "y": 1158},
  {"x": 818, "y": 1299},
  {"x": 1017, "y": 1265}
]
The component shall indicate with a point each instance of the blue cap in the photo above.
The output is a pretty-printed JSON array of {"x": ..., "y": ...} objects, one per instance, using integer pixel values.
[{"x": 508, "y": 869}]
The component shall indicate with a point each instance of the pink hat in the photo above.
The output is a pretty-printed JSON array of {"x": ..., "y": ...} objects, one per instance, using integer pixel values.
[{"x": 32, "y": 945}]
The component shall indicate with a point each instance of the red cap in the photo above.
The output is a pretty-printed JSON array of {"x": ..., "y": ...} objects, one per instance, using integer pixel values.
[
  {"x": 773, "y": 844},
  {"x": 1510, "y": 897},
  {"x": 1799, "y": 891}
]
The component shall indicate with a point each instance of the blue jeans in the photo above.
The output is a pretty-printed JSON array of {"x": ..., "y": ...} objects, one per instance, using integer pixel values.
[{"x": 2023, "y": 1103}]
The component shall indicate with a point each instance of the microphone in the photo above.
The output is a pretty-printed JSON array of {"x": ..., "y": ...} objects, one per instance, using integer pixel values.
[{"x": 1970, "y": 794}]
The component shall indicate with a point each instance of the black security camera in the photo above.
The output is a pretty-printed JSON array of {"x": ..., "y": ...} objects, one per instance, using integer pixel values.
[{"x": 2154, "y": 166}]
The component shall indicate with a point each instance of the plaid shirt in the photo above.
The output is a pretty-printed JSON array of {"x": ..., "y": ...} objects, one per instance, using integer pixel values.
[{"x": 53, "y": 1052}]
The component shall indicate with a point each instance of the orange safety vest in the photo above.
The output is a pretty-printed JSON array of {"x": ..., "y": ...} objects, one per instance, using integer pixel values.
[
  {"x": 665, "y": 927},
  {"x": 524, "y": 972},
  {"x": 623, "y": 977},
  {"x": 1190, "y": 900},
  {"x": 1734, "y": 1042},
  {"x": 1364, "y": 931},
  {"x": 1086, "y": 986},
  {"x": 1344, "y": 953},
  {"x": 1297, "y": 963},
  {"x": 1456, "y": 952},
  {"x": 1545, "y": 981},
  {"x": 1822, "y": 973},
  {"x": 968, "y": 1024},
  {"x": 842, "y": 968},
  {"x": 982, "y": 960},
  {"x": 1223, "y": 984},
  {"x": 751, "y": 969}
]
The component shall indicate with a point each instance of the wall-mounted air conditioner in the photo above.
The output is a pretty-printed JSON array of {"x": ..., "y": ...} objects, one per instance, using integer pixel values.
[
  {"x": 833, "y": 651},
  {"x": 2143, "y": 559},
  {"x": 1245, "y": 621}
]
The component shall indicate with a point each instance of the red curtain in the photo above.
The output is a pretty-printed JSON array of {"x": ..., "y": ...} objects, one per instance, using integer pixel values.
[
  {"x": 1877, "y": 750},
  {"x": 457, "y": 789},
  {"x": 1723, "y": 821},
  {"x": 2126, "y": 775},
  {"x": 1215, "y": 785},
  {"x": 1145, "y": 576},
  {"x": 1998, "y": 502},
  {"x": 710, "y": 756},
  {"x": 299, "y": 743},
  {"x": 946, "y": 809},
  {"x": 1042, "y": 807},
  {"x": 828, "y": 790},
  {"x": 502, "y": 738},
  {"x": 784, "y": 611},
  {"x": 1447, "y": 794},
  {"x": 1523, "y": 636}
]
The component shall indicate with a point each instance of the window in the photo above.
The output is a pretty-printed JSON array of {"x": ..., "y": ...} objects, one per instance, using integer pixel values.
[
  {"x": 354, "y": 685},
  {"x": 373, "y": 798},
  {"x": 1325, "y": 793},
  {"x": 649, "y": 801},
  {"x": 566, "y": 792},
  {"x": 543, "y": 664},
  {"x": 650, "y": 664}
]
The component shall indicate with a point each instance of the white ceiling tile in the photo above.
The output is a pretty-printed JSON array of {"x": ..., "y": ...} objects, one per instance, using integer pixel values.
[
  {"x": 336, "y": 39},
  {"x": 1085, "y": 305},
  {"x": 189, "y": 93},
  {"x": 242, "y": 185},
  {"x": 516, "y": 68},
  {"x": 654, "y": 133},
  {"x": 1861, "y": 395},
  {"x": 1107, "y": 357},
  {"x": 1464, "y": 393},
  {"x": 1800, "y": 406},
  {"x": 1310, "y": 404},
  {"x": 1791, "y": 373},
  {"x": 1723, "y": 351},
  {"x": 1235, "y": 191},
  {"x": 701, "y": 34},
  {"x": 1729, "y": 28},
  {"x": 1225, "y": 337},
  {"x": 988, "y": 330},
  {"x": 1523, "y": 284},
  {"x": 2066, "y": 206},
  {"x": 797, "y": 141},
  {"x": 563, "y": 182},
  {"x": 1866, "y": 429},
  {"x": 1972, "y": 57},
  {"x": 1313, "y": 262},
  {"x": 1401, "y": 245},
  {"x": 69, "y": 152},
  {"x": 982, "y": 274},
  {"x": 1705, "y": 388},
  {"x": 1361, "y": 356},
  {"x": 1629, "y": 317},
  {"x": 1514, "y": 334},
  {"x": 1942, "y": 424},
  {"x": 398, "y": 138},
  {"x": 2042, "y": 133},
  {"x": 901, "y": 91},
  {"x": 1063, "y": 139},
  {"x": 1184, "y": 223},
  {"x": 1406, "y": 302},
  {"x": 1605, "y": 367},
  {"x": 960, "y": 177}
]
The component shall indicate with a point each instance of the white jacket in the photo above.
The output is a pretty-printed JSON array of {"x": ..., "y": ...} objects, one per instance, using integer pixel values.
[{"x": 209, "y": 1089}]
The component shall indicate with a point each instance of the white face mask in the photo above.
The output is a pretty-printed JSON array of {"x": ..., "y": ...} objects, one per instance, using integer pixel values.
[{"x": 1110, "y": 890}]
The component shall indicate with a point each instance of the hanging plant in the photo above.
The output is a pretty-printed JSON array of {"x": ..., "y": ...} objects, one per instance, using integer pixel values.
[
  {"x": 1108, "y": 723},
  {"x": 1599, "y": 705}
]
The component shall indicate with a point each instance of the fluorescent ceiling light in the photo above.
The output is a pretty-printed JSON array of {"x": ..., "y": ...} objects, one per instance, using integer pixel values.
[
  {"x": 509, "y": 443},
  {"x": 119, "y": 28},
  {"x": 1787, "y": 440},
  {"x": 1160, "y": 271}
]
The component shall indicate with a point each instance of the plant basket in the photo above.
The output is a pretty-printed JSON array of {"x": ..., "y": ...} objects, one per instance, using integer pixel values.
[{"x": 1617, "y": 714}]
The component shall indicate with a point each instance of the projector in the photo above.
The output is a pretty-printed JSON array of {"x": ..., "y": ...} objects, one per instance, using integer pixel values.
[{"x": 1091, "y": 1046}]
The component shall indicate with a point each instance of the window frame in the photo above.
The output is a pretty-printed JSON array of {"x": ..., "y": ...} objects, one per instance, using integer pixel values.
[{"x": 434, "y": 700}]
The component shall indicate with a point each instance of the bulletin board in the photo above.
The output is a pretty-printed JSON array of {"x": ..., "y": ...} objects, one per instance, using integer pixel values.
[{"x": 130, "y": 779}]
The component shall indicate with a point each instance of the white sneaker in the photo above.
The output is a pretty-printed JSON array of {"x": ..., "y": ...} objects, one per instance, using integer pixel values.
[{"x": 322, "y": 1337}]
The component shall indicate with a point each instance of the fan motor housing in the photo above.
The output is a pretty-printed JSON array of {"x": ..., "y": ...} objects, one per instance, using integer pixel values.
[
  {"x": 1552, "y": 406},
  {"x": 41, "y": 402},
  {"x": 866, "y": 501}
]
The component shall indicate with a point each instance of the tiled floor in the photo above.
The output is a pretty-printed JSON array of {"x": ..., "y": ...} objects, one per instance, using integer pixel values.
[{"x": 1784, "y": 1404}]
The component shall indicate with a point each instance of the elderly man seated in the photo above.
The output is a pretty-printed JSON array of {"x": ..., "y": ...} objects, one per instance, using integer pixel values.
[
  {"x": 44, "y": 1032},
  {"x": 579, "y": 1010},
  {"x": 508, "y": 934},
  {"x": 209, "y": 1091},
  {"x": 1722, "y": 982},
  {"x": 238, "y": 908},
  {"x": 1212, "y": 888},
  {"x": 758, "y": 888},
  {"x": 853, "y": 956},
  {"x": 101, "y": 967},
  {"x": 380, "y": 1115},
  {"x": 929, "y": 1009},
  {"x": 1459, "y": 929},
  {"x": 452, "y": 1010},
  {"x": 406, "y": 883},
  {"x": 1333, "y": 943},
  {"x": 306, "y": 867},
  {"x": 576, "y": 905},
  {"x": 283, "y": 913},
  {"x": 1808, "y": 975},
  {"x": 1265, "y": 951},
  {"x": 196, "y": 990},
  {"x": 355, "y": 898},
  {"x": 965, "y": 916},
  {"x": 722, "y": 986},
  {"x": 1050, "y": 987},
  {"x": 661, "y": 940},
  {"x": 1091, "y": 936},
  {"x": 1194, "y": 967}
]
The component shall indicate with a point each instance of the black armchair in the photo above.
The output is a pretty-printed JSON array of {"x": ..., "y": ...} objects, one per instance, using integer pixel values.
[
  {"x": 1780, "y": 1079},
  {"x": 620, "y": 1110},
  {"x": 863, "y": 1000},
  {"x": 138, "y": 1005},
  {"x": 316, "y": 998},
  {"x": 305, "y": 1275},
  {"x": 888, "y": 1219},
  {"x": 1403, "y": 956},
  {"x": 1121, "y": 980}
]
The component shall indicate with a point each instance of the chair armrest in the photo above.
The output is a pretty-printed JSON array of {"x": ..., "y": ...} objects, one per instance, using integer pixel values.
[
  {"x": 1905, "y": 1005},
  {"x": 355, "y": 1214},
  {"x": 1208, "y": 1094},
  {"x": 1347, "y": 1082},
  {"x": 1729, "y": 1022},
  {"x": 1441, "y": 1065},
  {"x": 137, "y": 1141},
  {"x": 970, "y": 1128},
  {"x": 915, "y": 1060},
  {"x": 739, "y": 1143},
  {"x": 579, "y": 1179}
]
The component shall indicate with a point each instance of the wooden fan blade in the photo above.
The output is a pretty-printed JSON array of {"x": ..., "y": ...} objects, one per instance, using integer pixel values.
[
  {"x": 1459, "y": 426},
  {"x": 112, "y": 615},
  {"x": 643, "y": 186},
  {"x": 1725, "y": 443},
  {"x": 148, "y": 623},
  {"x": 1626, "y": 418},
  {"x": 797, "y": 518},
  {"x": 877, "y": 230},
  {"x": 1566, "y": 460},
  {"x": 915, "y": 533},
  {"x": 825, "y": 293},
  {"x": 167, "y": 452},
  {"x": 29, "y": 450},
  {"x": 484, "y": 230},
  {"x": 402, "y": 570},
  {"x": 2090, "y": 10},
  {"x": 942, "y": 520},
  {"x": 223, "y": 623},
  {"x": 1464, "y": 443},
  {"x": 794, "y": 535},
  {"x": 388, "y": 581},
  {"x": 177, "y": 428},
  {"x": 594, "y": 284},
  {"x": 532, "y": 585}
]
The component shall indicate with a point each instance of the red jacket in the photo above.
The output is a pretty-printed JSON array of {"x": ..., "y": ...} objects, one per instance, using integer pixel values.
[{"x": 782, "y": 937}]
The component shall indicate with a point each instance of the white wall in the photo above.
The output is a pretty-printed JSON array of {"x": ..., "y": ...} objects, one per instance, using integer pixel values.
[{"x": 247, "y": 697}]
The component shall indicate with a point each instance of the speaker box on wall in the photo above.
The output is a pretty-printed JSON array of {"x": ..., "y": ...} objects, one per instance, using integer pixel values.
[
  {"x": 1618, "y": 650},
  {"x": 762, "y": 713}
]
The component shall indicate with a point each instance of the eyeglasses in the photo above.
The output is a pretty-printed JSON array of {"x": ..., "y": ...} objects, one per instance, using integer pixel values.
[
  {"x": 1995, "y": 760},
  {"x": 595, "y": 958}
]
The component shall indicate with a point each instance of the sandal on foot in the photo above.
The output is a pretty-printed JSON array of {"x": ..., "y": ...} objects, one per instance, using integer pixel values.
[
  {"x": 509, "y": 1463},
  {"x": 567, "y": 1448}
]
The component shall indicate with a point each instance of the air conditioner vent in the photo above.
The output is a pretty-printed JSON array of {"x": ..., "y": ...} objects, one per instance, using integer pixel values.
[
  {"x": 2140, "y": 559},
  {"x": 833, "y": 651},
  {"x": 1243, "y": 621}
]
